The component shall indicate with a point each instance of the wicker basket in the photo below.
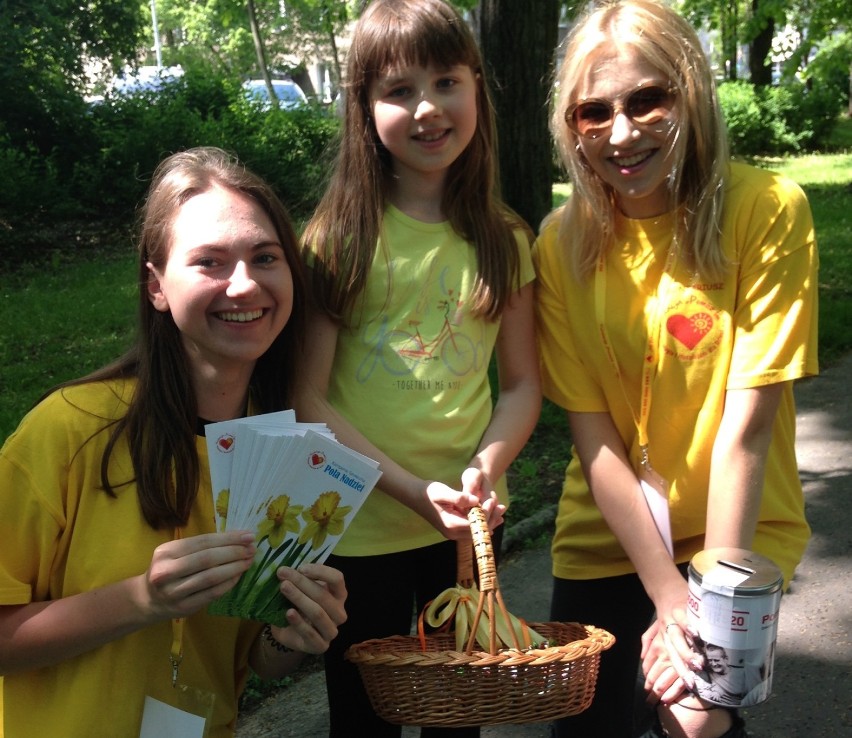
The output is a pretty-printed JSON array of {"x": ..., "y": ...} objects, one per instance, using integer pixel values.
[{"x": 427, "y": 681}]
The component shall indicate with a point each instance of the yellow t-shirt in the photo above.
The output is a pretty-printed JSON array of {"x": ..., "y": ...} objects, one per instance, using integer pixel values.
[
  {"x": 412, "y": 372},
  {"x": 60, "y": 534},
  {"x": 755, "y": 327}
]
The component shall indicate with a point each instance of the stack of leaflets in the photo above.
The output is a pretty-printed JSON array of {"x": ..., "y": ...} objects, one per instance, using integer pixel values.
[{"x": 292, "y": 484}]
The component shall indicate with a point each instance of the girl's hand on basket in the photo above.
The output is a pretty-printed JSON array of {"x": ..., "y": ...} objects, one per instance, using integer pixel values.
[
  {"x": 476, "y": 482},
  {"x": 448, "y": 510}
]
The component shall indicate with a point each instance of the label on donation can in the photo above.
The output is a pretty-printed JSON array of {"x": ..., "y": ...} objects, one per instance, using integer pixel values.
[{"x": 734, "y": 598}]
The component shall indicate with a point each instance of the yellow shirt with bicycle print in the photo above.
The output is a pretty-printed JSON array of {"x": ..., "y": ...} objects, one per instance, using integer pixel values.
[{"x": 411, "y": 373}]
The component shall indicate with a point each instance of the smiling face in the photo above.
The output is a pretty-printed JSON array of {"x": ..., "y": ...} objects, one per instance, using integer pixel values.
[
  {"x": 634, "y": 159},
  {"x": 425, "y": 117},
  {"x": 717, "y": 660},
  {"x": 226, "y": 281}
]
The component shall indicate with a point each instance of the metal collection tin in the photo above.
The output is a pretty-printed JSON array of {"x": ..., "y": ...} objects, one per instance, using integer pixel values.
[{"x": 734, "y": 598}]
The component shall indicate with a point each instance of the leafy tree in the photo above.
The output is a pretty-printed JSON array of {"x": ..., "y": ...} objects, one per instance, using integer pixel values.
[
  {"x": 762, "y": 31},
  {"x": 207, "y": 33},
  {"x": 824, "y": 52},
  {"x": 241, "y": 39},
  {"x": 46, "y": 47},
  {"x": 814, "y": 23}
]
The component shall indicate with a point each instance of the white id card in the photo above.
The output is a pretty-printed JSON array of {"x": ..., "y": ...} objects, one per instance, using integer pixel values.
[
  {"x": 176, "y": 711},
  {"x": 161, "y": 720}
]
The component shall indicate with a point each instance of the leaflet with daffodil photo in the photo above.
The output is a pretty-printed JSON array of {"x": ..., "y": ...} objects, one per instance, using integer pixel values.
[{"x": 292, "y": 484}]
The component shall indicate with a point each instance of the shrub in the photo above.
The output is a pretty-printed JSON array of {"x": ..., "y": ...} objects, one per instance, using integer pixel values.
[
  {"x": 134, "y": 132},
  {"x": 102, "y": 173},
  {"x": 743, "y": 117},
  {"x": 26, "y": 177},
  {"x": 790, "y": 118},
  {"x": 291, "y": 149}
]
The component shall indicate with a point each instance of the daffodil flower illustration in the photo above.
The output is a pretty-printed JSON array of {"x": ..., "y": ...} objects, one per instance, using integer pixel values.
[
  {"x": 222, "y": 500},
  {"x": 325, "y": 517},
  {"x": 281, "y": 518}
]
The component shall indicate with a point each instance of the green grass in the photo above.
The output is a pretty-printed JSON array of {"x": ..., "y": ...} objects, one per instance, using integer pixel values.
[
  {"x": 60, "y": 320},
  {"x": 830, "y": 197}
]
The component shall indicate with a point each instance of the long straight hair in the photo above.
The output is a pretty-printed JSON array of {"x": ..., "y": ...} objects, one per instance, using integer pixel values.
[
  {"x": 344, "y": 232},
  {"x": 160, "y": 424},
  {"x": 663, "y": 38}
]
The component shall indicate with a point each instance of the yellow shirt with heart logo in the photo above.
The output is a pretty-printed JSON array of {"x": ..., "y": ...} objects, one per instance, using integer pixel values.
[{"x": 755, "y": 327}]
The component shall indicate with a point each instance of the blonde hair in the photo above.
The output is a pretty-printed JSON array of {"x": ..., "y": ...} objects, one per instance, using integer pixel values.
[
  {"x": 666, "y": 41},
  {"x": 344, "y": 231}
]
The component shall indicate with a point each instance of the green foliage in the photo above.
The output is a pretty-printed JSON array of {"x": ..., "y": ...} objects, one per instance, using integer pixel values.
[
  {"x": 291, "y": 149},
  {"x": 44, "y": 48},
  {"x": 257, "y": 691},
  {"x": 741, "y": 111},
  {"x": 103, "y": 170},
  {"x": 27, "y": 178},
  {"x": 777, "y": 120},
  {"x": 216, "y": 34},
  {"x": 829, "y": 68}
]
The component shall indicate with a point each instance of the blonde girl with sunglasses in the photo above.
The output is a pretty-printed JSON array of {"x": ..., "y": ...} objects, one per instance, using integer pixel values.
[{"x": 676, "y": 305}]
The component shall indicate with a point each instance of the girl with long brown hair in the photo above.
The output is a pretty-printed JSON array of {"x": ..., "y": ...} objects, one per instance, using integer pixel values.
[
  {"x": 108, "y": 549},
  {"x": 421, "y": 275}
]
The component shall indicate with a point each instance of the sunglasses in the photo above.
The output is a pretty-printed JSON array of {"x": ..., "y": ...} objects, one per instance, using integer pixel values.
[{"x": 644, "y": 106}]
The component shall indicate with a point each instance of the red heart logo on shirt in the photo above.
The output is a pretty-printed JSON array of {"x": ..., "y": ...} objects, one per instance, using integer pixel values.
[{"x": 689, "y": 329}]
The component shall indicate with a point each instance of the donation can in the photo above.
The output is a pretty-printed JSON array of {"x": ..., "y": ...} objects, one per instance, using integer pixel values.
[{"x": 734, "y": 599}]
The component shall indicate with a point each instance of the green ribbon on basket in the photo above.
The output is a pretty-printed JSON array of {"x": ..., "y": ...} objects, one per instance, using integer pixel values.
[{"x": 459, "y": 604}]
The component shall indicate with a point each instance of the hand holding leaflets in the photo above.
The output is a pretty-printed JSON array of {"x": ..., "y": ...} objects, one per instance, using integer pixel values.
[{"x": 292, "y": 484}]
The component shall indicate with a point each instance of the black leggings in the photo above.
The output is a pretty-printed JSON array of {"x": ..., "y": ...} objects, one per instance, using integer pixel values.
[
  {"x": 384, "y": 592},
  {"x": 619, "y": 605}
]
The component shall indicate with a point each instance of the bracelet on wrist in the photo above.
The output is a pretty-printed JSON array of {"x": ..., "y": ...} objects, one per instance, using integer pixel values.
[{"x": 266, "y": 635}]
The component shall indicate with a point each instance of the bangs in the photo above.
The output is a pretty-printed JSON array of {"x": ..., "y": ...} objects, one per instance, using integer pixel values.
[{"x": 407, "y": 35}]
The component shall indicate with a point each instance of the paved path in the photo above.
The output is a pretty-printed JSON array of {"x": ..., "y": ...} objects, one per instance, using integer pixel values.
[{"x": 812, "y": 688}]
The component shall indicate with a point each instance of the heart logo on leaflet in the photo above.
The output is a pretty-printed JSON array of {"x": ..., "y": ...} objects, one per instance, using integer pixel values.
[
  {"x": 316, "y": 459},
  {"x": 689, "y": 329},
  {"x": 225, "y": 443}
]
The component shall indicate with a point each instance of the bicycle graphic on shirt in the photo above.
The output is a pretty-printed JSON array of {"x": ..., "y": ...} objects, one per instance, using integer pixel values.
[
  {"x": 454, "y": 350},
  {"x": 400, "y": 351}
]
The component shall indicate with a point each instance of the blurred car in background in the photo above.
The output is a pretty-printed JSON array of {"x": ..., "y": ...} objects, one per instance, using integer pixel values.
[
  {"x": 145, "y": 79},
  {"x": 150, "y": 78},
  {"x": 289, "y": 94}
]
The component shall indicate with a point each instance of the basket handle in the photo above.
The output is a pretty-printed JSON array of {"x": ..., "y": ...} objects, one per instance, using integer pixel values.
[
  {"x": 489, "y": 590},
  {"x": 483, "y": 549}
]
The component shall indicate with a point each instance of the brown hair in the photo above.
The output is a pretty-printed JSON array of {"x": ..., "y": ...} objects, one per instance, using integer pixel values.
[
  {"x": 160, "y": 424},
  {"x": 344, "y": 231},
  {"x": 662, "y": 37}
]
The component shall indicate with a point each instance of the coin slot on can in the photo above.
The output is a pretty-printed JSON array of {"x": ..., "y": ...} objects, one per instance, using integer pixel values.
[{"x": 734, "y": 600}]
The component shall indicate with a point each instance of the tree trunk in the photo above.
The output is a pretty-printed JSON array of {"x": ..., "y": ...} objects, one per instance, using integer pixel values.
[
  {"x": 518, "y": 41},
  {"x": 760, "y": 68},
  {"x": 260, "y": 51}
]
